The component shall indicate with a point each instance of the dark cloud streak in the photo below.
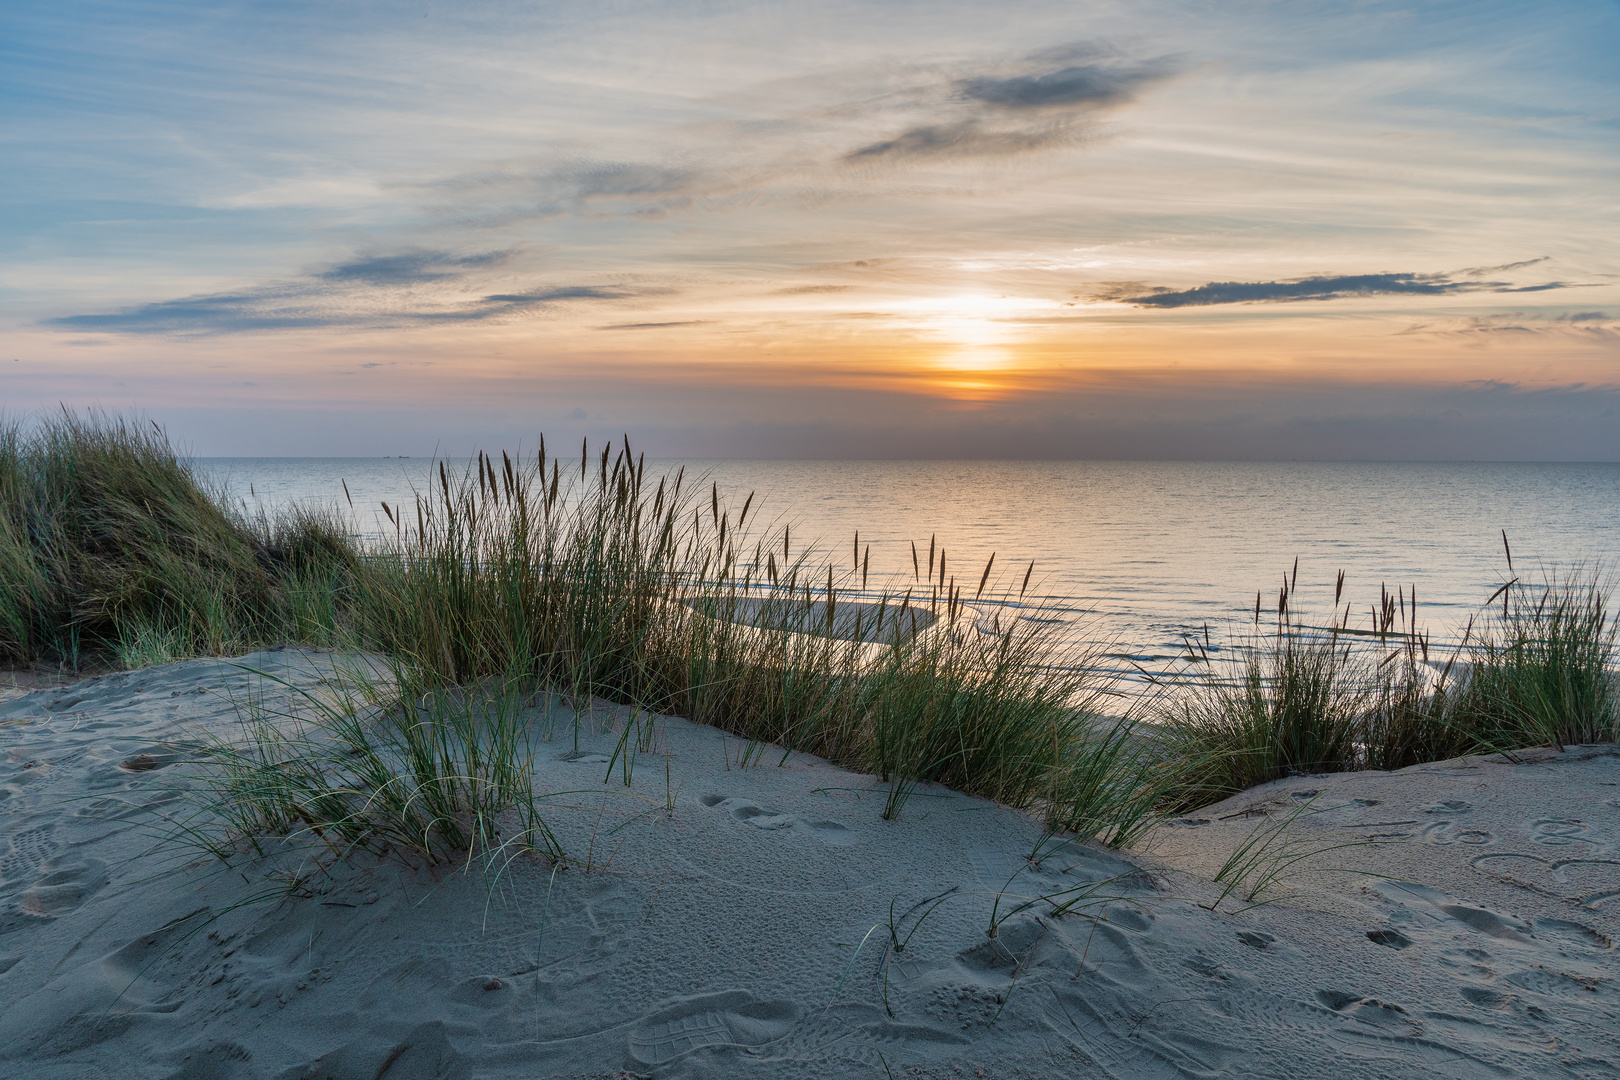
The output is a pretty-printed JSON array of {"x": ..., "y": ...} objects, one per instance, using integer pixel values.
[
  {"x": 1335, "y": 287},
  {"x": 1042, "y": 100},
  {"x": 969, "y": 138},
  {"x": 654, "y": 325},
  {"x": 1077, "y": 85},
  {"x": 375, "y": 291},
  {"x": 411, "y": 267}
]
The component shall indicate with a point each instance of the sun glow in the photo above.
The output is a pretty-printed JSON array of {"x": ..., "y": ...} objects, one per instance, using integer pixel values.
[
  {"x": 974, "y": 357},
  {"x": 975, "y": 321}
]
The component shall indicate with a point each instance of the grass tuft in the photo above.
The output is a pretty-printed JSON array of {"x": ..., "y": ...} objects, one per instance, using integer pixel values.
[
  {"x": 1536, "y": 667},
  {"x": 112, "y": 549},
  {"x": 388, "y": 764},
  {"x": 1290, "y": 703},
  {"x": 1542, "y": 664}
]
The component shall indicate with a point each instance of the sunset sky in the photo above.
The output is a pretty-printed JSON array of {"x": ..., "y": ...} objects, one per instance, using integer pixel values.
[{"x": 1078, "y": 229}]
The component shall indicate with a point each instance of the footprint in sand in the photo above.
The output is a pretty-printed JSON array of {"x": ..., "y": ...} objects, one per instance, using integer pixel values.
[
  {"x": 1562, "y": 832},
  {"x": 1589, "y": 882},
  {"x": 827, "y": 831},
  {"x": 426, "y": 1051},
  {"x": 1486, "y": 998},
  {"x": 1573, "y": 933},
  {"x": 727, "y": 1018},
  {"x": 1420, "y": 909},
  {"x": 1368, "y": 1010},
  {"x": 1256, "y": 939},
  {"x": 1394, "y": 939},
  {"x": 30, "y": 849},
  {"x": 1490, "y": 923},
  {"x": 67, "y": 884},
  {"x": 1446, "y": 833}
]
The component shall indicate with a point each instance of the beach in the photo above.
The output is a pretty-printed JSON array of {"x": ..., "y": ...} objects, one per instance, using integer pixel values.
[
  {"x": 734, "y": 910},
  {"x": 746, "y": 541}
]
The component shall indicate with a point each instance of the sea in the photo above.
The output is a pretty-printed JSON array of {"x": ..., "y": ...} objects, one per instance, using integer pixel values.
[{"x": 1139, "y": 557}]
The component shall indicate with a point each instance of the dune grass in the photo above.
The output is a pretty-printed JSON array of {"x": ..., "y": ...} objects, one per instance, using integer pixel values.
[
  {"x": 377, "y": 761},
  {"x": 593, "y": 579},
  {"x": 590, "y": 579},
  {"x": 111, "y": 548},
  {"x": 1290, "y": 702},
  {"x": 1412, "y": 714},
  {"x": 602, "y": 582},
  {"x": 1536, "y": 667},
  {"x": 1542, "y": 664}
]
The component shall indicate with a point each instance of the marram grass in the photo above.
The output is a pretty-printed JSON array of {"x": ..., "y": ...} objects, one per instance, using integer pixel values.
[
  {"x": 590, "y": 579},
  {"x": 112, "y": 549},
  {"x": 604, "y": 582},
  {"x": 595, "y": 579},
  {"x": 1536, "y": 667}
]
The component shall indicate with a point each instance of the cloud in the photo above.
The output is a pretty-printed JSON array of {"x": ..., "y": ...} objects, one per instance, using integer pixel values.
[
  {"x": 552, "y": 295},
  {"x": 1099, "y": 81},
  {"x": 1336, "y": 287},
  {"x": 968, "y": 138},
  {"x": 1580, "y": 326},
  {"x": 811, "y": 290},
  {"x": 376, "y": 291},
  {"x": 262, "y": 309},
  {"x": 633, "y": 189},
  {"x": 501, "y": 305},
  {"x": 1046, "y": 98},
  {"x": 653, "y": 325},
  {"x": 1480, "y": 271},
  {"x": 411, "y": 267},
  {"x": 794, "y": 137}
]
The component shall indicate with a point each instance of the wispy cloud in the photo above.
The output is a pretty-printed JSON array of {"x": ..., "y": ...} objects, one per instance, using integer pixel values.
[
  {"x": 1078, "y": 75},
  {"x": 1481, "y": 271},
  {"x": 1590, "y": 326},
  {"x": 374, "y": 291},
  {"x": 1335, "y": 287},
  {"x": 810, "y": 290},
  {"x": 965, "y": 138},
  {"x": 654, "y": 325},
  {"x": 806, "y": 134},
  {"x": 1044, "y": 98},
  {"x": 962, "y": 108},
  {"x": 582, "y": 188},
  {"x": 411, "y": 267}
]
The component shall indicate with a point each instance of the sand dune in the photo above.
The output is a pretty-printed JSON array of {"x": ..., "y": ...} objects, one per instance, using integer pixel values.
[{"x": 717, "y": 920}]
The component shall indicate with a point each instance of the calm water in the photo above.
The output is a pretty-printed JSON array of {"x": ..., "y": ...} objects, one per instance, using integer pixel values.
[{"x": 1142, "y": 552}]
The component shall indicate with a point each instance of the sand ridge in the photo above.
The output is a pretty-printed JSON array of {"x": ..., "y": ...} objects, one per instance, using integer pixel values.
[{"x": 736, "y": 921}]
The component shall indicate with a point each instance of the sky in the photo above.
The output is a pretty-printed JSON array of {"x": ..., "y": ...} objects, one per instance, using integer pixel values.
[{"x": 1144, "y": 229}]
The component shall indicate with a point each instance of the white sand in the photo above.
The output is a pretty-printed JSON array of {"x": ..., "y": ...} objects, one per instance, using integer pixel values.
[{"x": 711, "y": 943}]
